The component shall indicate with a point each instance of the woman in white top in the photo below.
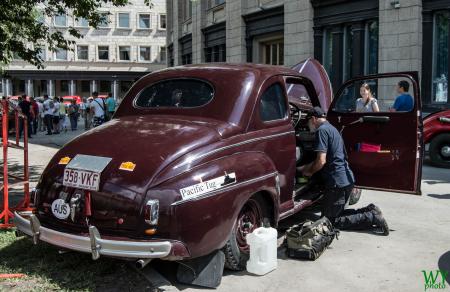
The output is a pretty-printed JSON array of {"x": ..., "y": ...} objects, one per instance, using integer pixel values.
[{"x": 367, "y": 103}]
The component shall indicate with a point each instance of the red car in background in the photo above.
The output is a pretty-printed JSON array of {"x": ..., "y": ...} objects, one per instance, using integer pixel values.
[
  {"x": 68, "y": 99},
  {"x": 436, "y": 132}
]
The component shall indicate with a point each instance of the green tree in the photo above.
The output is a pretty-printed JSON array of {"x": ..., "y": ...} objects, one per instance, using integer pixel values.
[{"x": 23, "y": 29}]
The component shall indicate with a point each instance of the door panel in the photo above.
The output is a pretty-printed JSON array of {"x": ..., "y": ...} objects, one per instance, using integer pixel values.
[{"x": 384, "y": 148}]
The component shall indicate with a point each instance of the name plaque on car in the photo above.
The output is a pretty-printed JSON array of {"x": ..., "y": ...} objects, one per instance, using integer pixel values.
[{"x": 208, "y": 186}]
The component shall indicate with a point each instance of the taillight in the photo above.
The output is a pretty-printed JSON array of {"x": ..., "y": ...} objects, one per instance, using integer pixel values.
[{"x": 151, "y": 212}]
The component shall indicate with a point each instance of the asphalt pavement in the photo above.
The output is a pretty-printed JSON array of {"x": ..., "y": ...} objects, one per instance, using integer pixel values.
[{"x": 419, "y": 240}]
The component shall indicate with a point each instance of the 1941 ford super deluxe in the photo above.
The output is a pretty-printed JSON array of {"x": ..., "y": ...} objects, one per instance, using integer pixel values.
[{"x": 197, "y": 156}]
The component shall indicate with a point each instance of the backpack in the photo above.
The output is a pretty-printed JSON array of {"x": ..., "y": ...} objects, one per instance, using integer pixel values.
[{"x": 308, "y": 240}]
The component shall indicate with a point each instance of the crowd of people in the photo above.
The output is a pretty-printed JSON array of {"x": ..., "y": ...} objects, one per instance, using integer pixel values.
[{"x": 55, "y": 115}]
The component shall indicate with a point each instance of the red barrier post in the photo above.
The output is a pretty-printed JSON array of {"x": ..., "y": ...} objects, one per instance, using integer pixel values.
[{"x": 6, "y": 214}]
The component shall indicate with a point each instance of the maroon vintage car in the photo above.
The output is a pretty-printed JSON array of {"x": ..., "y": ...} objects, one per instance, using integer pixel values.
[
  {"x": 436, "y": 132},
  {"x": 197, "y": 156}
]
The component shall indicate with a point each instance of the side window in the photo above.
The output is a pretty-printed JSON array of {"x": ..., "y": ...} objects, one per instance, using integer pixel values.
[
  {"x": 273, "y": 104},
  {"x": 377, "y": 95}
]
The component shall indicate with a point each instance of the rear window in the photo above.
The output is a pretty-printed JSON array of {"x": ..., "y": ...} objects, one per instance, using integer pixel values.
[{"x": 178, "y": 93}]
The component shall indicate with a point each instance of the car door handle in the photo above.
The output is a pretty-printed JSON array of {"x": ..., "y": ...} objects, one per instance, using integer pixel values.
[{"x": 375, "y": 119}]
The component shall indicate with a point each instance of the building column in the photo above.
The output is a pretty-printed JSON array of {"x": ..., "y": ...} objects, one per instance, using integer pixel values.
[
  {"x": 177, "y": 24},
  {"x": 8, "y": 89},
  {"x": 235, "y": 32},
  {"x": 358, "y": 55},
  {"x": 93, "y": 86},
  {"x": 115, "y": 89},
  {"x": 198, "y": 39},
  {"x": 298, "y": 31},
  {"x": 50, "y": 88},
  {"x": 338, "y": 64},
  {"x": 72, "y": 87}
]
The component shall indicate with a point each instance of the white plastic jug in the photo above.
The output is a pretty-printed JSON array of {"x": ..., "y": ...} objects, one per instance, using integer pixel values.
[{"x": 263, "y": 250}]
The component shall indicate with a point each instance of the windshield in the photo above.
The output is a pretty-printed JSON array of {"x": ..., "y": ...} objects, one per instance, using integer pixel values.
[{"x": 180, "y": 93}]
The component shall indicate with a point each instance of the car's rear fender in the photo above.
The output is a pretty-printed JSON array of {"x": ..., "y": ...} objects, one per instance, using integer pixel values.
[{"x": 203, "y": 221}]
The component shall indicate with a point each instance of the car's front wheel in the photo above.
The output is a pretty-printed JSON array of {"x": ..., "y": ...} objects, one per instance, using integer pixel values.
[
  {"x": 440, "y": 150},
  {"x": 250, "y": 217}
]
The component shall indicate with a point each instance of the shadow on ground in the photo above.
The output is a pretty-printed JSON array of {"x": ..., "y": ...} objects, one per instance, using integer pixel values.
[
  {"x": 444, "y": 264},
  {"x": 436, "y": 196},
  {"x": 49, "y": 270}
]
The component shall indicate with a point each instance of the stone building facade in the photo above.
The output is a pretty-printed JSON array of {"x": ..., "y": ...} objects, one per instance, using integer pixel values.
[
  {"x": 349, "y": 37},
  {"x": 106, "y": 59}
]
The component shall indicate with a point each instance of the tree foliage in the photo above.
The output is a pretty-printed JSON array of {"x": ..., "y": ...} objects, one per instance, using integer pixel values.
[{"x": 24, "y": 32}]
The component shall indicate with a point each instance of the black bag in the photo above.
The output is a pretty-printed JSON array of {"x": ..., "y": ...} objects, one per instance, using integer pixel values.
[{"x": 309, "y": 239}]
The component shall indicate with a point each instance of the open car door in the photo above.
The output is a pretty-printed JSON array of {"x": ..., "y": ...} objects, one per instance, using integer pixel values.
[{"x": 384, "y": 147}]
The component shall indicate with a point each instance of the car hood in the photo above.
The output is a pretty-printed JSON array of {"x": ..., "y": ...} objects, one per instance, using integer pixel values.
[{"x": 149, "y": 142}]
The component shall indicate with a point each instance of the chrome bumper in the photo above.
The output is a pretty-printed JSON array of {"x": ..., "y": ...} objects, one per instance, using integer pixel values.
[{"x": 93, "y": 243}]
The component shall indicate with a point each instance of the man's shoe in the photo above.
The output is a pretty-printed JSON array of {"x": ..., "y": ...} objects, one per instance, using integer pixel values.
[
  {"x": 372, "y": 207},
  {"x": 381, "y": 225}
]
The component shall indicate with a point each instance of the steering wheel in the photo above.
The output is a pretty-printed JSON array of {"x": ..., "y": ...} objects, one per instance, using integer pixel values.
[{"x": 295, "y": 114}]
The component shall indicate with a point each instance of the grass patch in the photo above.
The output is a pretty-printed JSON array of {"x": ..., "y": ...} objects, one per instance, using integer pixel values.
[{"x": 47, "y": 270}]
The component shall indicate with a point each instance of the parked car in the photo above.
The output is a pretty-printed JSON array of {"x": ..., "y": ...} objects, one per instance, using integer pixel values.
[
  {"x": 199, "y": 155},
  {"x": 436, "y": 133},
  {"x": 68, "y": 99}
]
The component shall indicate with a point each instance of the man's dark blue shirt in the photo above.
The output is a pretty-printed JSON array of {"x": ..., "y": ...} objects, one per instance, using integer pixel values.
[
  {"x": 336, "y": 172},
  {"x": 404, "y": 103}
]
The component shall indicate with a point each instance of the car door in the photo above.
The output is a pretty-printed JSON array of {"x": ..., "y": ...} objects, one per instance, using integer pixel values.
[{"x": 384, "y": 148}]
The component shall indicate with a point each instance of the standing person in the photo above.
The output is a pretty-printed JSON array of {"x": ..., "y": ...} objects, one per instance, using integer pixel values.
[
  {"x": 404, "y": 102},
  {"x": 110, "y": 105},
  {"x": 87, "y": 114},
  {"x": 367, "y": 103},
  {"x": 83, "y": 107},
  {"x": 62, "y": 114},
  {"x": 26, "y": 109},
  {"x": 35, "y": 107},
  {"x": 41, "y": 123},
  {"x": 49, "y": 106},
  {"x": 99, "y": 109},
  {"x": 55, "y": 115},
  {"x": 73, "y": 115},
  {"x": 331, "y": 160}
]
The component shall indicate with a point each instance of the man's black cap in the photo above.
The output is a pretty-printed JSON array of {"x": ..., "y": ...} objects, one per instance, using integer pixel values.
[{"x": 316, "y": 112}]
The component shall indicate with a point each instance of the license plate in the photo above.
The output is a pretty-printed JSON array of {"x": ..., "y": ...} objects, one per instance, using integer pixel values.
[{"x": 82, "y": 179}]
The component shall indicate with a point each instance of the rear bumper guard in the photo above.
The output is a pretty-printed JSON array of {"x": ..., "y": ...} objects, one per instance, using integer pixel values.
[{"x": 93, "y": 243}]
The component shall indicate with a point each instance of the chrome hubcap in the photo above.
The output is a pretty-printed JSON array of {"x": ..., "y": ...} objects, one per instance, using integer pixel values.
[{"x": 445, "y": 151}]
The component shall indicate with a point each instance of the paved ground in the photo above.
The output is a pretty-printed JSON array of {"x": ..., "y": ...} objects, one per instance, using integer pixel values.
[{"x": 419, "y": 240}]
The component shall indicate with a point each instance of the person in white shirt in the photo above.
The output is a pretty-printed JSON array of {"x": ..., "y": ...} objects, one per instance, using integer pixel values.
[
  {"x": 49, "y": 107},
  {"x": 98, "y": 107}
]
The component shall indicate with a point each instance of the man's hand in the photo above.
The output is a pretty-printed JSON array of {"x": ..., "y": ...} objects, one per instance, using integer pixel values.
[{"x": 315, "y": 166}]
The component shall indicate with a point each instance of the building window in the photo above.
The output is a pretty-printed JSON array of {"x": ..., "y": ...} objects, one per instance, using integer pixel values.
[
  {"x": 43, "y": 53},
  {"x": 82, "y": 53},
  {"x": 85, "y": 86},
  {"x": 162, "y": 21},
  {"x": 348, "y": 52},
  {"x": 64, "y": 86},
  {"x": 124, "y": 53},
  {"x": 272, "y": 52},
  {"x": 103, "y": 53},
  {"x": 214, "y": 3},
  {"x": 105, "y": 86},
  {"x": 104, "y": 22},
  {"x": 144, "y": 54},
  {"x": 81, "y": 22},
  {"x": 187, "y": 9},
  {"x": 327, "y": 58},
  {"x": 440, "y": 58},
  {"x": 216, "y": 53},
  {"x": 371, "y": 43},
  {"x": 162, "y": 54},
  {"x": 61, "y": 54},
  {"x": 144, "y": 21},
  {"x": 40, "y": 17},
  {"x": 61, "y": 20},
  {"x": 123, "y": 20}
]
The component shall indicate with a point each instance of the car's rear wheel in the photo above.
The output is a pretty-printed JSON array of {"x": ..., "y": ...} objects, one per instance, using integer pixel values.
[
  {"x": 440, "y": 150},
  {"x": 250, "y": 217}
]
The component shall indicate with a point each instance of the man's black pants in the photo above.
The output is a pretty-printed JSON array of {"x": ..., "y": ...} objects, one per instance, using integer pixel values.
[
  {"x": 49, "y": 123},
  {"x": 334, "y": 209}
]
